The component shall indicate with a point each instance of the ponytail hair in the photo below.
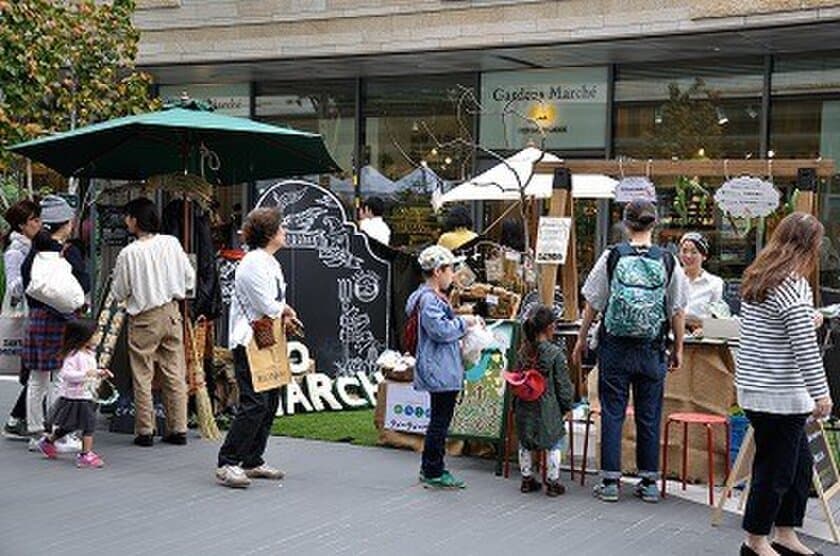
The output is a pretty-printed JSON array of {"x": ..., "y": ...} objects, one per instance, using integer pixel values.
[{"x": 539, "y": 320}]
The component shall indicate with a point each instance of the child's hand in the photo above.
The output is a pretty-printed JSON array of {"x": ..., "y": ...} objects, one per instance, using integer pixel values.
[{"x": 104, "y": 373}]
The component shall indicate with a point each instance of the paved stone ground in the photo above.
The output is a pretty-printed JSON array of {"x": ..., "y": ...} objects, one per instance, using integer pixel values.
[{"x": 337, "y": 499}]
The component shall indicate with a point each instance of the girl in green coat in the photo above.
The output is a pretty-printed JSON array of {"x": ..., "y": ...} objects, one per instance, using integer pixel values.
[{"x": 540, "y": 423}]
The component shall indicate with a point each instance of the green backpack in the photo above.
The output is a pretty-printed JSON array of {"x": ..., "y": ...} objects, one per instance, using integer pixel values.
[{"x": 638, "y": 283}]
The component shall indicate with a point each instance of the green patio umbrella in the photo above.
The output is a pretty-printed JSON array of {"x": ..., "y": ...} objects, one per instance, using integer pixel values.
[{"x": 231, "y": 149}]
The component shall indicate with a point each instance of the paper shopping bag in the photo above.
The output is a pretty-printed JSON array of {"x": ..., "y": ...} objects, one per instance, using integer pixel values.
[{"x": 270, "y": 366}]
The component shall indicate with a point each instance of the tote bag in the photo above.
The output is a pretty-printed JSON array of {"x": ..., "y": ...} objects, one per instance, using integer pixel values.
[
  {"x": 53, "y": 283},
  {"x": 12, "y": 326}
]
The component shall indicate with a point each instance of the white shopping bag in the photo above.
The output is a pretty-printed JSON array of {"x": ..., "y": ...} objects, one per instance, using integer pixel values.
[{"x": 53, "y": 283}]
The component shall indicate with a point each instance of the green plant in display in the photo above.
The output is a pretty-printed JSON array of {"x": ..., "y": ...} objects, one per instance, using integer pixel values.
[{"x": 690, "y": 194}]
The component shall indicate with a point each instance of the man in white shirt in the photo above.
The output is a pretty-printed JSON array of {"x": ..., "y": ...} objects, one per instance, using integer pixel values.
[
  {"x": 150, "y": 275},
  {"x": 371, "y": 221}
]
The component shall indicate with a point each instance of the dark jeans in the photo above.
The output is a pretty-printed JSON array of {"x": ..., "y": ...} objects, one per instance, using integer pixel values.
[
  {"x": 625, "y": 363},
  {"x": 19, "y": 410},
  {"x": 434, "y": 447},
  {"x": 248, "y": 435},
  {"x": 781, "y": 472}
]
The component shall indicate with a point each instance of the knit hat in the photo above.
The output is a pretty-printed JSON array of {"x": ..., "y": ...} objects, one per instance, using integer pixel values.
[
  {"x": 640, "y": 214},
  {"x": 435, "y": 256},
  {"x": 56, "y": 210},
  {"x": 700, "y": 242}
]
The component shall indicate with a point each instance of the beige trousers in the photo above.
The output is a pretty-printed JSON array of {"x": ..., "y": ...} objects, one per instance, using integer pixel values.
[{"x": 156, "y": 337}]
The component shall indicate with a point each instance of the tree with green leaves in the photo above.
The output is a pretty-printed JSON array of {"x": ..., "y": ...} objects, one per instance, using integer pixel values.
[{"x": 63, "y": 65}]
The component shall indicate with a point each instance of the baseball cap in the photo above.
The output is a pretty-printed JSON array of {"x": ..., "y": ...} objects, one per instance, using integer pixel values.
[
  {"x": 640, "y": 214},
  {"x": 436, "y": 256}
]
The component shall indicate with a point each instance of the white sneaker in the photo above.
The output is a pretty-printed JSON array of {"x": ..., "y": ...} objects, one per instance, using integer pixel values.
[
  {"x": 33, "y": 443},
  {"x": 70, "y": 444},
  {"x": 264, "y": 471},
  {"x": 232, "y": 476}
]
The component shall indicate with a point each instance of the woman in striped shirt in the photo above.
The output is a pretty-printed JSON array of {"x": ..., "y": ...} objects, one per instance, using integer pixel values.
[{"x": 781, "y": 383}]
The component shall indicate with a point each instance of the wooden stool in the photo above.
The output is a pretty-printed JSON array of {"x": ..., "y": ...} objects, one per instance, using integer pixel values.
[
  {"x": 592, "y": 411},
  {"x": 708, "y": 421},
  {"x": 508, "y": 447}
]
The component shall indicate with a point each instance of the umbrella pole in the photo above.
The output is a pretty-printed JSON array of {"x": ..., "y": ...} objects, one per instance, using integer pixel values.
[{"x": 501, "y": 217}]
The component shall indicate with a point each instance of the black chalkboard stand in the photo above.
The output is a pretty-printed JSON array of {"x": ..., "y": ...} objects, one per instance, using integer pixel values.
[{"x": 826, "y": 478}]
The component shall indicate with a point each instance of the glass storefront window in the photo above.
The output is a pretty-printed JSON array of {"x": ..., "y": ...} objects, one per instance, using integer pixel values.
[
  {"x": 805, "y": 123},
  {"x": 325, "y": 107},
  {"x": 412, "y": 127},
  {"x": 690, "y": 110},
  {"x": 708, "y": 109}
]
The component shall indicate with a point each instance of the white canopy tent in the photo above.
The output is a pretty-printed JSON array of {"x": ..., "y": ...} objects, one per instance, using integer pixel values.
[{"x": 499, "y": 183}]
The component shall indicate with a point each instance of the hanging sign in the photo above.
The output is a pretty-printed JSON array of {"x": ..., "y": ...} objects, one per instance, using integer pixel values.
[
  {"x": 747, "y": 197},
  {"x": 553, "y": 239},
  {"x": 635, "y": 187}
]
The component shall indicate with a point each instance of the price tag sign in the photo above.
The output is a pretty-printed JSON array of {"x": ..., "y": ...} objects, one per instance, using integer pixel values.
[
  {"x": 635, "y": 187},
  {"x": 553, "y": 239},
  {"x": 747, "y": 197}
]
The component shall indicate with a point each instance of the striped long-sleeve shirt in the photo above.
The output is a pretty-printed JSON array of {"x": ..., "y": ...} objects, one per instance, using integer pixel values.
[{"x": 779, "y": 368}]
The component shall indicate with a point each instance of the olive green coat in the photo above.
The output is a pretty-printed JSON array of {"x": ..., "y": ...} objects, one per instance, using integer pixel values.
[{"x": 539, "y": 424}]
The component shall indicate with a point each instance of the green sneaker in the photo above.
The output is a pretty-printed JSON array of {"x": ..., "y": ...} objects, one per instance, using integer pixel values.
[
  {"x": 606, "y": 492},
  {"x": 445, "y": 481},
  {"x": 647, "y": 492}
]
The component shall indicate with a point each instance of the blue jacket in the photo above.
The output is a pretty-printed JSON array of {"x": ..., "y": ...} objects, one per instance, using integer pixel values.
[{"x": 439, "y": 365}]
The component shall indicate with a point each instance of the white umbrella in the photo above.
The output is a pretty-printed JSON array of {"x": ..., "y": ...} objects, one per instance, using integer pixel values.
[{"x": 499, "y": 183}]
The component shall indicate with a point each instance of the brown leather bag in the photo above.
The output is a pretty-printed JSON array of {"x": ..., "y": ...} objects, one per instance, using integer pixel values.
[{"x": 264, "y": 332}]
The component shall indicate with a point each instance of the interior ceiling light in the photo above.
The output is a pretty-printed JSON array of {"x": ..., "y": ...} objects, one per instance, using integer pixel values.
[
  {"x": 752, "y": 112},
  {"x": 721, "y": 116},
  {"x": 657, "y": 115}
]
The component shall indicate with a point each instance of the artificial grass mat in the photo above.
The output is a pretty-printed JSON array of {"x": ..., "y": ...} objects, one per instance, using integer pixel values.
[{"x": 355, "y": 427}]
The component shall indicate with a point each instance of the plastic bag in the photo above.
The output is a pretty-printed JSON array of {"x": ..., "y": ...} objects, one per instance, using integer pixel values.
[{"x": 477, "y": 339}]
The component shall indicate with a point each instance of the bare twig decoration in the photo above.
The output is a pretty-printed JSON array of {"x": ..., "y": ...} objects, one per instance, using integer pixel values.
[{"x": 465, "y": 145}]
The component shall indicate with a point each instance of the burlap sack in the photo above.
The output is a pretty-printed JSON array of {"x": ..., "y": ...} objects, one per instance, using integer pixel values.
[{"x": 704, "y": 384}]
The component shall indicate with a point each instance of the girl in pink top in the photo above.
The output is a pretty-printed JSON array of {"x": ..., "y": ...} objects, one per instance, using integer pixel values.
[{"x": 75, "y": 408}]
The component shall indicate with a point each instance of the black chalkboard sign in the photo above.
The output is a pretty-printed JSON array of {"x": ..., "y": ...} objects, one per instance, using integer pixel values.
[
  {"x": 823, "y": 461},
  {"x": 339, "y": 288}
]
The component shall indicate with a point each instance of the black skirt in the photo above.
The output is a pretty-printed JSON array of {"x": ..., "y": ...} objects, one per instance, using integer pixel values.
[{"x": 73, "y": 415}]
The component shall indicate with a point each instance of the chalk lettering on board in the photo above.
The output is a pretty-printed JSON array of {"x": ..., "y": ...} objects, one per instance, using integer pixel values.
[{"x": 340, "y": 289}]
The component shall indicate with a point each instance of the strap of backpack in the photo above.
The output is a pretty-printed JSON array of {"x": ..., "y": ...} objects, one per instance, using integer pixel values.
[{"x": 616, "y": 252}]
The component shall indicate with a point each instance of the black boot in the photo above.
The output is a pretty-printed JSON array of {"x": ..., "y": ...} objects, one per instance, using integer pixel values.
[
  {"x": 529, "y": 484},
  {"x": 144, "y": 440},
  {"x": 554, "y": 488}
]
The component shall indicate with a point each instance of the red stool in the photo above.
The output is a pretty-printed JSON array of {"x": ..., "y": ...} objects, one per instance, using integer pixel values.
[
  {"x": 592, "y": 411},
  {"x": 708, "y": 421},
  {"x": 508, "y": 448}
]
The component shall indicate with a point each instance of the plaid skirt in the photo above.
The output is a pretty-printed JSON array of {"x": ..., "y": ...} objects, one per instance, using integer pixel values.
[{"x": 42, "y": 340}]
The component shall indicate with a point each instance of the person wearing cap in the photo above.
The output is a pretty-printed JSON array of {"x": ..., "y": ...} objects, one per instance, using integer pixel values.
[
  {"x": 439, "y": 369},
  {"x": 639, "y": 289},
  {"x": 45, "y": 327},
  {"x": 703, "y": 286}
]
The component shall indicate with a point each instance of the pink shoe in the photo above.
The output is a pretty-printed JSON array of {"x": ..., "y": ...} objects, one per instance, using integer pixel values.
[
  {"x": 89, "y": 459},
  {"x": 47, "y": 448}
]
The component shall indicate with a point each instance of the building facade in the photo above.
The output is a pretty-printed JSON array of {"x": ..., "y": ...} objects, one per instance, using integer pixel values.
[{"x": 406, "y": 91}]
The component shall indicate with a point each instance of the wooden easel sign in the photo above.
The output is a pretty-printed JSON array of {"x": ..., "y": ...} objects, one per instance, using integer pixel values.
[{"x": 826, "y": 477}]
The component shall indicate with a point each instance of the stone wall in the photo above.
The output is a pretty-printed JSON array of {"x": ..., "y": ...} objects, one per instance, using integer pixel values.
[{"x": 225, "y": 30}]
